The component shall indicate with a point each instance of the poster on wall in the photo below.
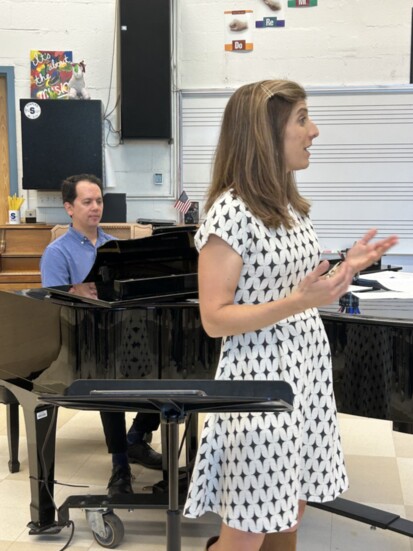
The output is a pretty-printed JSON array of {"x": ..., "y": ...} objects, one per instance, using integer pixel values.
[
  {"x": 270, "y": 14},
  {"x": 50, "y": 72},
  {"x": 238, "y": 35}
]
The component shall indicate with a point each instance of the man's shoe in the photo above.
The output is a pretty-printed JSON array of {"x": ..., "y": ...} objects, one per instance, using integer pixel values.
[
  {"x": 142, "y": 453},
  {"x": 120, "y": 482}
]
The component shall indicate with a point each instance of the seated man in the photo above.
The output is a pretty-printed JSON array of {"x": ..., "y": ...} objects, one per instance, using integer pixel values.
[{"x": 68, "y": 260}]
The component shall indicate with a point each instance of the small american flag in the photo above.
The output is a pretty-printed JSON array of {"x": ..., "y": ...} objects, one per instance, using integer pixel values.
[{"x": 183, "y": 204}]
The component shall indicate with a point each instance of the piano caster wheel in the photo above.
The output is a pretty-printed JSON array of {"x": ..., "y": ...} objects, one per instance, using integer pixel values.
[{"x": 114, "y": 531}]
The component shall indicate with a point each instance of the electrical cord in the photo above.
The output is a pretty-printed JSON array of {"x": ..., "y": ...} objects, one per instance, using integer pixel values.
[
  {"x": 107, "y": 114},
  {"x": 113, "y": 58}
]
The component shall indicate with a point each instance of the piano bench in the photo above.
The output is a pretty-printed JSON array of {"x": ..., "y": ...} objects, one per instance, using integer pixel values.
[{"x": 12, "y": 406}]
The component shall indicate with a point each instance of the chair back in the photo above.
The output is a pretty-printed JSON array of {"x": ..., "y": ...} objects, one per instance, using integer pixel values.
[{"x": 119, "y": 230}]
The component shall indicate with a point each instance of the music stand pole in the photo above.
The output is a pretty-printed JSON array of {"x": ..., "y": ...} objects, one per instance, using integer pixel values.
[{"x": 173, "y": 514}]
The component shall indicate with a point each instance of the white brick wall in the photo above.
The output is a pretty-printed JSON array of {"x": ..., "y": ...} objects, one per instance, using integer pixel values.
[{"x": 340, "y": 42}]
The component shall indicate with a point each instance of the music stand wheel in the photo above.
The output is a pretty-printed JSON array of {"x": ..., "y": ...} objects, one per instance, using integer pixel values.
[{"x": 114, "y": 531}]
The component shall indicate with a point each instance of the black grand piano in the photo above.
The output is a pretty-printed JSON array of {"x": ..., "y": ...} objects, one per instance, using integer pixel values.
[
  {"x": 127, "y": 327},
  {"x": 137, "y": 317}
]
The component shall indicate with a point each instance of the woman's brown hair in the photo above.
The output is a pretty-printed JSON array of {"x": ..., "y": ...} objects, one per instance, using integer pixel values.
[{"x": 249, "y": 158}]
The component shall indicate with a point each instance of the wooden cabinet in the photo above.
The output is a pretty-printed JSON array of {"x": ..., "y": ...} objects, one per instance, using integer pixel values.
[{"x": 21, "y": 247}]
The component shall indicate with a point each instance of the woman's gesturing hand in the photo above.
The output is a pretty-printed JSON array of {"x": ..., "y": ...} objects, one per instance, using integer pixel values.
[
  {"x": 321, "y": 287},
  {"x": 363, "y": 253}
]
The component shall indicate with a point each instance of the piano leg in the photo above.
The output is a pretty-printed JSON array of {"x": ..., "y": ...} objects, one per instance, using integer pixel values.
[
  {"x": 40, "y": 421},
  {"x": 13, "y": 436},
  {"x": 41, "y": 445},
  {"x": 12, "y": 409}
]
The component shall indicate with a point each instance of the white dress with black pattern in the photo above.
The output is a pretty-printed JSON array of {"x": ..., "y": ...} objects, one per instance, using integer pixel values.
[{"x": 252, "y": 468}]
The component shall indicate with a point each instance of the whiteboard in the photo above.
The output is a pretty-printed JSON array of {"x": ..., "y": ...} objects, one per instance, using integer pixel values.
[{"x": 361, "y": 168}]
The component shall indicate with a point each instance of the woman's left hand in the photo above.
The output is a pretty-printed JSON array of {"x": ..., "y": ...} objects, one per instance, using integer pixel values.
[{"x": 363, "y": 253}]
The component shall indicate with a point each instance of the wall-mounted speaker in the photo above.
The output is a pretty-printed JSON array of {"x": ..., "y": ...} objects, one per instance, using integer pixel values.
[
  {"x": 145, "y": 68},
  {"x": 60, "y": 138}
]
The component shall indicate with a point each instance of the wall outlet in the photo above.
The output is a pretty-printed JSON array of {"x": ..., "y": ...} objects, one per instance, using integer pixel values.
[
  {"x": 158, "y": 178},
  {"x": 49, "y": 199}
]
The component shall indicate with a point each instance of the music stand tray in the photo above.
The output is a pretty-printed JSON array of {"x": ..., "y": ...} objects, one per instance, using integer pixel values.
[{"x": 173, "y": 400}]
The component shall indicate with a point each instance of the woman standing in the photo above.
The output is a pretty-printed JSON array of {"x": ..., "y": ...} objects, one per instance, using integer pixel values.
[{"x": 260, "y": 283}]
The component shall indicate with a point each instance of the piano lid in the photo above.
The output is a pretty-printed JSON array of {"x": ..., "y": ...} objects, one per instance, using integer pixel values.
[{"x": 168, "y": 252}]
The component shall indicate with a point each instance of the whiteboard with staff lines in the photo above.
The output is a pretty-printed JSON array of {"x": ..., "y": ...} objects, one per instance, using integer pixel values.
[{"x": 361, "y": 171}]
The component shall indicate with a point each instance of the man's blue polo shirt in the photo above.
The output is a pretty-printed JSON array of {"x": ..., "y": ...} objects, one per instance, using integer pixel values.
[{"x": 69, "y": 259}]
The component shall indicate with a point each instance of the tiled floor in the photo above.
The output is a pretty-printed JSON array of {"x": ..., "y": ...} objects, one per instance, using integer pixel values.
[{"x": 379, "y": 461}]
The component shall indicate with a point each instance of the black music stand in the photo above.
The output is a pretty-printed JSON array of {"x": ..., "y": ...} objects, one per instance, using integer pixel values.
[{"x": 174, "y": 400}]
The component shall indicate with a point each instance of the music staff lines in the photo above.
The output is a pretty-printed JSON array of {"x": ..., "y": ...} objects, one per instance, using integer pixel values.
[{"x": 358, "y": 190}]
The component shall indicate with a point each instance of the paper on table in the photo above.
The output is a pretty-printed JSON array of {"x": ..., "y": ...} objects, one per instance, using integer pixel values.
[
  {"x": 380, "y": 295},
  {"x": 397, "y": 285},
  {"x": 359, "y": 289},
  {"x": 393, "y": 281}
]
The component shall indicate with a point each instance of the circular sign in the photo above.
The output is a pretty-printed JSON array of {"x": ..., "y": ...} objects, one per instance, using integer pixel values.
[{"x": 32, "y": 110}]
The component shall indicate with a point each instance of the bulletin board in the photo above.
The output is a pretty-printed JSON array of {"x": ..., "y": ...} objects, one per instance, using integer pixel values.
[{"x": 361, "y": 171}]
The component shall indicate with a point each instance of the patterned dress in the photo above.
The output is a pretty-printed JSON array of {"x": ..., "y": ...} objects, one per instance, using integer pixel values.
[{"x": 252, "y": 468}]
